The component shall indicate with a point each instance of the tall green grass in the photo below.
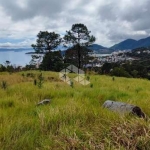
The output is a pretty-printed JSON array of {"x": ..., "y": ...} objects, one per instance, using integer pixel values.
[{"x": 74, "y": 119}]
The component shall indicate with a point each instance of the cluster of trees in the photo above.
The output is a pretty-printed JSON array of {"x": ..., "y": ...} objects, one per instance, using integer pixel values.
[{"x": 76, "y": 40}]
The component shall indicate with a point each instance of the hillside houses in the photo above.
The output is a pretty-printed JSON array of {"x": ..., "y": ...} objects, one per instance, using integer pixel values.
[{"x": 100, "y": 59}]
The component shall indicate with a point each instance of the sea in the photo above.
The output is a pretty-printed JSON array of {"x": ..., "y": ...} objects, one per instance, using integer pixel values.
[
  {"x": 20, "y": 58},
  {"x": 15, "y": 57}
]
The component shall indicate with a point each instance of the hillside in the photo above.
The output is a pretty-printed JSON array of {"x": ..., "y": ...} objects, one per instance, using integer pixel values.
[
  {"x": 127, "y": 44},
  {"x": 142, "y": 43},
  {"x": 132, "y": 44},
  {"x": 96, "y": 47},
  {"x": 124, "y": 45},
  {"x": 100, "y": 49},
  {"x": 75, "y": 118}
]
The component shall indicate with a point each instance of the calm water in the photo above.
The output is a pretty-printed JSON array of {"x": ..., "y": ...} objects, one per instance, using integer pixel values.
[{"x": 15, "y": 57}]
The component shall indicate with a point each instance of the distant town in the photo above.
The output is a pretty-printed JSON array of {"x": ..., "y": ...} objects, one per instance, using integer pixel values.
[{"x": 100, "y": 59}]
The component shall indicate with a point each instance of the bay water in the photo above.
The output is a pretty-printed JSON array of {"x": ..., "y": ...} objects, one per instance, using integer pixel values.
[{"x": 18, "y": 58}]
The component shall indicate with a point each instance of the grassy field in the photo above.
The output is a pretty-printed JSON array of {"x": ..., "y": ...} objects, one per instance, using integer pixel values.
[{"x": 75, "y": 119}]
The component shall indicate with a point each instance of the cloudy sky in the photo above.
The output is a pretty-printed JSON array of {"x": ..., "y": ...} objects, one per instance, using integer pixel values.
[{"x": 110, "y": 21}]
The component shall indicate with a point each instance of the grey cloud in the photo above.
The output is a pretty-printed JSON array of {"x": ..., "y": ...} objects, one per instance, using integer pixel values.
[
  {"x": 142, "y": 24},
  {"x": 136, "y": 11},
  {"x": 108, "y": 12},
  {"x": 34, "y": 8},
  {"x": 125, "y": 19},
  {"x": 116, "y": 37},
  {"x": 137, "y": 14},
  {"x": 111, "y": 21}
]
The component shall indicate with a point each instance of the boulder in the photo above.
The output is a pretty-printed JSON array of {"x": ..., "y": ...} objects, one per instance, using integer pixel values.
[{"x": 123, "y": 108}]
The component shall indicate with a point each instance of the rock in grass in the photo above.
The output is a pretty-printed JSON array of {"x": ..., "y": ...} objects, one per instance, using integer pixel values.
[
  {"x": 44, "y": 102},
  {"x": 123, "y": 108}
]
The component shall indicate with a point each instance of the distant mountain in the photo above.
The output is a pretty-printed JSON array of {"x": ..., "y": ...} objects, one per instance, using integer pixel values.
[
  {"x": 124, "y": 45},
  {"x": 132, "y": 44},
  {"x": 127, "y": 44},
  {"x": 143, "y": 43},
  {"x": 96, "y": 47},
  {"x": 100, "y": 49}
]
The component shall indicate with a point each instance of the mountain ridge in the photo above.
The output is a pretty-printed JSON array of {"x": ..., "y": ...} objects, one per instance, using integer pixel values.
[
  {"x": 123, "y": 45},
  {"x": 132, "y": 44},
  {"x": 127, "y": 44}
]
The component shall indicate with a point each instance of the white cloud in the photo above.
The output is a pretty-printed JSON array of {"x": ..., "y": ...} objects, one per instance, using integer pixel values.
[
  {"x": 22, "y": 44},
  {"x": 110, "y": 21}
]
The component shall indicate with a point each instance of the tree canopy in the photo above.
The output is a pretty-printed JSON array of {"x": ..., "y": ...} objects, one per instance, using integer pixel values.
[
  {"x": 71, "y": 56},
  {"x": 52, "y": 61},
  {"x": 78, "y": 36},
  {"x": 46, "y": 42}
]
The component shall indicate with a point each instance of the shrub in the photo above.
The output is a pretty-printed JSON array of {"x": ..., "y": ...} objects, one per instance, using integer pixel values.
[
  {"x": 120, "y": 72},
  {"x": 40, "y": 80},
  {"x": 4, "y": 85}
]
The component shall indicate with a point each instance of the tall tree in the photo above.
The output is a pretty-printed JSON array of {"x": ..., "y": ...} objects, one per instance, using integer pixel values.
[
  {"x": 78, "y": 36},
  {"x": 46, "y": 41},
  {"x": 71, "y": 56}
]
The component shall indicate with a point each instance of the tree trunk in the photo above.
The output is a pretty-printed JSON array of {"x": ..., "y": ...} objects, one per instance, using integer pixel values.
[
  {"x": 79, "y": 56},
  {"x": 122, "y": 108}
]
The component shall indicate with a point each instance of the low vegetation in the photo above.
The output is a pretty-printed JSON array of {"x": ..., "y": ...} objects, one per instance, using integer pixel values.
[{"x": 74, "y": 119}]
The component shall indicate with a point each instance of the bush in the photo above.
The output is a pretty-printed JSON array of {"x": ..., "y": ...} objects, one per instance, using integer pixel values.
[
  {"x": 40, "y": 80},
  {"x": 4, "y": 85},
  {"x": 6, "y": 104},
  {"x": 120, "y": 72},
  {"x": 52, "y": 61}
]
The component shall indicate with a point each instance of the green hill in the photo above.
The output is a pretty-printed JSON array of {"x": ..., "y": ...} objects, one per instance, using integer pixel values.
[
  {"x": 75, "y": 118},
  {"x": 132, "y": 44},
  {"x": 124, "y": 45}
]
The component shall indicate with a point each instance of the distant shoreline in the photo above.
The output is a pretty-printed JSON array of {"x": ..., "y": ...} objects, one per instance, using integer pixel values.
[
  {"x": 34, "y": 53},
  {"x": 30, "y": 53},
  {"x": 14, "y": 50}
]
